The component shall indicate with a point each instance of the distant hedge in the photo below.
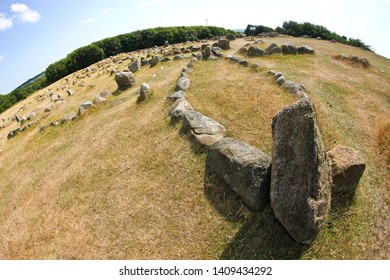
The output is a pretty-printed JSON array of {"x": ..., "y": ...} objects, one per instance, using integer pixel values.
[
  {"x": 296, "y": 29},
  {"x": 133, "y": 41},
  {"x": 87, "y": 55}
]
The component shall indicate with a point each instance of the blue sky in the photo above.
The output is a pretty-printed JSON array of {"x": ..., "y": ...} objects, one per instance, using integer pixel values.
[{"x": 36, "y": 33}]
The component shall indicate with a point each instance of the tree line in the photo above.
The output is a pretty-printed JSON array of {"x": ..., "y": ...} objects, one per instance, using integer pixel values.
[
  {"x": 90, "y": 54},
  {"x": 296, "y": 29}
]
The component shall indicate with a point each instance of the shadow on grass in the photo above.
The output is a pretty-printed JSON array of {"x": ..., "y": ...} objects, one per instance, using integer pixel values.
[{"x": 261, "y": 235}]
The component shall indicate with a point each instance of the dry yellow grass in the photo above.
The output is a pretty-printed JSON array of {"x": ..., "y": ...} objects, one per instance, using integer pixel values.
[{"x": 122, "y": 183}]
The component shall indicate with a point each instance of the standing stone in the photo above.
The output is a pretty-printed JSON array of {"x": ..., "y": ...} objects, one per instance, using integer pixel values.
[
  {"x": 98, "y": 100},
  {"x": 289, "y": 48},
  {"x": 231, "y": 37},
  {"x": 206, "y": 53},
  {"x": 69, "y": 92},
  {"x": 255, "y": 51},
  {"x": 245, "y": 169},
  {"x": 224, "y": 44},
  {"x": 68, "y": 117},
  {"x": 155, "y": 59},
  {"x": 300, "y": 183},
  {"x": 144, "y": 91},
  {"x": 347, "y": 167},
  {"x": 134, "y": 66},
  {"x": 273, "y": 48},
  {"x": 124, "y": 80},
  {"x": 177, "y": 110},
  {"x": 166, "y": 44},
  {"x": 183, "y": 83},
  {"x": 305, "y": 50},
  {"x": 176, "y": 95}
]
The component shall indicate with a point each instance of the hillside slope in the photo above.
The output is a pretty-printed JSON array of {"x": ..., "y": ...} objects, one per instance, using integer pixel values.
[{"x": 121, "y": 182}]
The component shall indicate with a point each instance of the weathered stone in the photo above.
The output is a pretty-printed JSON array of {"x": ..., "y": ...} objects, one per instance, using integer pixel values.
[
  {"x": 245, "y": 169},
  {"x": 180, "y": 57},
  {"x": 144, "y": 61},
  {"x": 165, "y": 59},
  {"x": 206, "y": 53},
  {"x": 243, "y": 51},
  {"x": 68, "y": 117},
  {"x": 224, "y": 44},
  {"x": 13, "y": 133},
  {"x": 84, "y": 106},
  {"x": 31, "y": 115},
  {"x": 216, "y": 51},
  {"x": 231, "y": 37},
  {"x": 144, "y": 91},
  {"x": 280, "y": 80},
  {"x": 104, "y": 93},
  {"x": 185, "y": 70},
  {"x": 69, "y": 92},
  {"x": 98, "y": 100},
  {"x": 166, "y": 44},
  {"x": 272, "y": 49},
  {"x": 289, "y": 48},
  {"x": 153, "y": 62},
  {"x": 124, "y": 80},
  {"x": 244, "y": 63},
  {"x": 300, "y": 183},
  {"x": 204, "y": 131},
  {"x": 176, "y": 95},
  {"x": 255, "y": 51},
  {"x": 305, "y": 50},
  {"x": 183, "y": 83},
  {"x": 54, "y": 123},
  {"x": 177, "y": 110},
  {"x": 347, "y": 167},
  {"x": 295, "y": 88},
  {"x": 134, "y": 66},
  {"x": 278, "y": 75}
]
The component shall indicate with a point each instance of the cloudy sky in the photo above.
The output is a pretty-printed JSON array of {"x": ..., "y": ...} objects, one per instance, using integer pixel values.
[{"x": 36, "y": 33}]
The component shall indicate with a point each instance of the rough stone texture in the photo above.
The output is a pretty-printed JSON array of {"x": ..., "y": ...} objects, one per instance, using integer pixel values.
[
  {"x": 84, "y": 106},
  {"x": 166, "y": 44},
  {"x": 177, "y": 110},
  {"x": 295, "y": 88},
  {"x": 245, "y": 169},
  {"x": 176, "y": 95},
  {"x": 347, "y": 167},
  {"x": 104, "y": 93},
  {"x": 69, "y": 92},
  {"x": 300, "y": 183},
  {"x": 206, "y": 52},
  {"x": 273, "y": 48},
  {"x": 153, "y": 62},
  {"x": 98, "y": 100},
  {"x": 204, "y": 131},
  {"x": 305, "y": 50},
  {"x": 180, "y": 57},
  {"x": 183, "y": 83},
  {"x": 144, "y": 91},
  {"x": 216, "y": 51},
  {"x": 289, "y": 48},
  {"x": 231, "y": 37},
  {"x": 124, "y": 80},
  {"x": 243, "y": 51},
  {"x": 13, "y": 133},
  {"x": 134, "y": 66},
  {"x": 244, "y": 63},
  {"x": 224, "y": 44},
  {"x": 68, "y": 117},
  {"x": 255, "y": 51},
  {"x": 280, "y": 80}
]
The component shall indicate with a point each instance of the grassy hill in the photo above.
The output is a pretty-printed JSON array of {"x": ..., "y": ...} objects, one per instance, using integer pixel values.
[{"x": 121, "y": 182}]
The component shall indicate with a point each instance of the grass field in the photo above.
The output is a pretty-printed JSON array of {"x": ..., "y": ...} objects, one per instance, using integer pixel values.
[{"x": 121, "y": 182}]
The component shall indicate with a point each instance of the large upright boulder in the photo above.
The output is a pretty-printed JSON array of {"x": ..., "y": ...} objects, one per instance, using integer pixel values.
[
  {"x": 134, "y": 66},
  {"x": 206, "y": 52},
  {"x": 183, "y": 83},
  {"x": 144, "y": 91},
  {"x": 300, "y": 183},
  {"x": 245, "y": 169},
  {"x": 124, "y": 80},
  {"x": 347, "y": 167},
  {"x": 289, "y": 48},
  {"x": 255, "y": 51},
  {"x": 224, "y": 44}
]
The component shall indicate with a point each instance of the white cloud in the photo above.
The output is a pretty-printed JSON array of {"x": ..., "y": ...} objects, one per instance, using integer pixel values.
[
  {"x": 87, "y": 20},
  {"x": 107, "y": 11},
  {"x": 151, "y": 3},
  {"x": 5, "y": 22},
  {"x": 24, "y": 13},
  {"x": 2, "y": 57}
]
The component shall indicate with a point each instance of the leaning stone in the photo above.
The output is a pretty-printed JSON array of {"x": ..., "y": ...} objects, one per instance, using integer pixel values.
[
  {"x": 204, "y": 131},
  {"x": 134, "y": 66},
  {"x": 124, "y": 80},
  {"x": 245, "y": 169},
  {"x": 206, "y": 53},
  {"x": 98, "y": 100},
  {"x": 347, "y": 167},
  {"x": 300, "y": 183},
  {"x": 177, "y": 110},
  {"x": 176, "y": 95},
  {"x": 84, "y": 106},
  {"x": 68, "y": 117},
  {"x": 183, "y": 83}
]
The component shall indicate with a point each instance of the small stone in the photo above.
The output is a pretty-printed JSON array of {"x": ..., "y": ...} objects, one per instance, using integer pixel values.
[{"x": 98, "y": 100}]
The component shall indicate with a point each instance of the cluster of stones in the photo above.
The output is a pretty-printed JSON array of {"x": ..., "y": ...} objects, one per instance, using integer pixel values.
[
  {"x": 289, "y": 86},
  {"x": 297, "y": 180},
  {"x": 354, "y": 59},
  {"x": 286, "y": 49}
]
